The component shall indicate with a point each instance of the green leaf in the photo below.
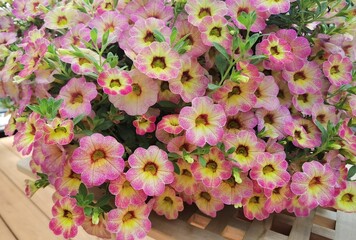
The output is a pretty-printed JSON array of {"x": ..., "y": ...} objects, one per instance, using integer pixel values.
[
  {"x": 158, "y": 36},
  {"x": 181, "y": 43},
  {"x": 212, "y": 86},
  {"x": 167, "y": 104},
  {"x": 231, "y": 150},
  {"x": 252, "y": 40},
  {"x": 94, "y": 35},
  {"x": 104, "y": 200},
  {"x": 176, "y": 168},
  {"x": 77, "y": 119},
  {"x": 324, "y": 132},
  {"x": 61, "y": 77},
  {"x": 88, "y": 211},
  {"x": 351, "y": 173},
  {"x": 173, "y": 155},
  {"x": 202, "y": 161},
  {"x": 173, "y": 36},
  {"x": 221, "y": 50},
  {"x": 83, "y": 190},
  {"x": 221, "y": 64},
  {"x": 105, "y": 38}
]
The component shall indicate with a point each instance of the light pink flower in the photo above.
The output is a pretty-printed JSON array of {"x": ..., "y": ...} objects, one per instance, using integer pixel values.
[
  {"x": 115, "y": 81},
  {"x": 266, "y": 94},
  {"x": 168, "y": 204}
]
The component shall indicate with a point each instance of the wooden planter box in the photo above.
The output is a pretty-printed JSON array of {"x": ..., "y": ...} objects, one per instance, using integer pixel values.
[{"x": 230, "y": 223}]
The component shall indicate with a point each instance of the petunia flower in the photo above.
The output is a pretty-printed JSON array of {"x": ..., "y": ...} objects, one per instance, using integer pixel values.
[
  {"x": 150, "y": 170},
  {"x": 170, "y": 124},
  {"x": 142, "y": 32},
  {"x": 59, "y": 131},
  {"x": 298, "y": 208},
  {"x": 77, "y": 95},
  {"x": 68, "y": 183},
  {"x": 203, "y": 121},
  {"x": 77, "y": 36},
  {"x": 338, "y": 69},
  {"x": 254, "y": 206},
  {"x": 80, "y": 65},
  {"x": 184, "y": 182},
  {"x": 315, "y": 184},
  {"x": 248, "y": 147},
  {"x": 159, "y": 60},
  {"x": 60, "y": 18},
  {"x": 277, "y": 198},
  {"x": 272, "y": 6},
  {"x": 144, "y": 124},
  {"x": 284, "y": 95},
  {"x": 324, "y": 113},
  {"x": 55, "y": 159},
  {"x": 144, "y": 95},
  {"x": 305, "y": 102},
  {"x": 240, "y": 121},
  {"x": 156, "y": 9},
  {"x": 273, "y": 121},
  {"x": 97, "y": 159},
  {"x": 191, "y": 82},
  {"x": 197, "y": 10},
  {"x": 230, "y": 192},
  {"x": 115, "y": 81},
  {"x": 270, "y": 171},
  {"x": 125, "y": 194},
  {"x": 236, "y": 7},
  {"x": 67, "y": 216},
  {"x": 307, "y": 80},
  {"x": 236, "y": 97},
  {"x": 206, "y": 201},
  {"x": 346, "y": 199},
  {"x": 214, "y": 171},
  {"x": 168, "y": 204},
  {"x": 214, "y": 29},
  {"x": 29, "y": 133},
  {"x": 165, "y": 94},
  {"x": 266, "y": 94},
  {"x": 180, "y": 144},
  {"x": 129, "y": 223}
]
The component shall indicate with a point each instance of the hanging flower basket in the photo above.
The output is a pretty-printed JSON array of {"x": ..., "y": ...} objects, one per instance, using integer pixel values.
[{"x": 133, "y": 107}]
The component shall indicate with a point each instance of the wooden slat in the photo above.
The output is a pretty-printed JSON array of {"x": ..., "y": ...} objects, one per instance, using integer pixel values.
[
  {"x": 345, "y": 226},
  {"x": 302, "y": 227},
  {"x": 5, "y": 232},
  {"x": 323, "y": 231},
  {"x": 258, "y": 229}
]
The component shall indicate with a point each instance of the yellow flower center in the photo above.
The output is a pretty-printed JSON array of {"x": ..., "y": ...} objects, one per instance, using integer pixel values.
[
  {"x": 159, "y": 62},
  {"x": 115, "y": 83},
  {"x": 187, "y": 173},
  {"x": 274, "y": 50},
  {"x": 136, "y": 89},
  {"x": 185, "y": 77},
  {"x": 97, "y": 155},
  {"x": 82, "y": 61},
  {"x": 215, "y": 31},
  {"x": 242, "y": 150},
  {"x": 303, "y": 97},
  {"x": 299, "y": 76},
  {"x": 254, "y": 200},
  {"x": 315, "y": 181},
  {"x": 151, "y": 168},
  {"x": 204, "y": 12},
  {"x": 67, "y": 214},
  {"x": 128, "y": 216},
  {"x": 76, "y": 98},
  {"x": 149, "y": 38},
  {"x": 231, "y": 181},
  {"x": 202, "y": 119},
  {"x": 268, "y": 169},
  {"x": 206, "y": 196},
  {"x": 234, "y": 124},
  {"x": 60, "y": 130},
  {"x": 235, "y": 91},
  {"x": 62, "y": 21},
  {"x": 348, "y": 197},
  {"x": 212, "y": 165},
  {"x": 168, "y": 200},
  {"x": 268, "y": 119},
  {"x": 334, "y": 70}
]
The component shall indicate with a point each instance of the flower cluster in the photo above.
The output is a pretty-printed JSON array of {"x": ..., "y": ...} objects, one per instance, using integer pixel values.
[{"x": 129, "y": 107}]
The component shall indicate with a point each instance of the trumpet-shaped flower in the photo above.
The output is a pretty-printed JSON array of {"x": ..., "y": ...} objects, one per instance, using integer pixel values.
[
  {"x": 98, "y": 159},
  {"x": 338, "y": 69},
  {"x": 80, "y": 65},
  {"x": 159, "y": 60},
  {"x": 67, "y": 184},
  {"x": 67, "y": 216},
  {"x": 180, "y": 144},
  {"x": 156, "y": 9},
  {"x": 324, "y": 113},
  {"x": 306, "y": 80},
  {"x": 247, "y": 146},
  {"x": 315, "y": 184},
  {"x": 144, "y": 124},
  {"x": 115, "y": 81},
  {"x": 215, "y": 170},
  {"x": 254, "y": 206},
  {"x": 214, "y": 29},
  {"x": 54, "y": 160},
  {"x": 144, "y": 95},
  {"x": 170, "y": 124},
  {"x": 266, "y": 94},
  {"x": 197, "y": 10},
  {"x": 236, "y": 97},
  {"x": 77, "y": 36},
  {"x": 150, "y": 170},
  {"x": 346, "y": 199},
  {"x": 297, "y": 207},
  {"x": 207, "y": 202},
  {"x": 125, "y": 194},
  {"x": 230, "y": 192},
  {"x": 203, "y": 121},
  {"x": 277, "y": 198},
  {"x": 59, "y": 131},
  {"x": 184, "y": 182},
  {"x": 129, "y": 223},
  {"x": 77, "y": 95},
  {"x": 240, "y": 121},
  {"x": 270, "y": 171},
  {"x": 168, "y": 204},
  {"x": 272, "y": 6},
  {"x": 305, "y": 102},
  {"x": 191, "y": 82},
  {"x": 60, "y": 18}
]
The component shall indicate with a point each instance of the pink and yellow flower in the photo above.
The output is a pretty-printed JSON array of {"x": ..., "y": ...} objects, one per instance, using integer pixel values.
[
  {"x": 236, "y": 97},
  {"x": 67, "y": 184},
  {"x": 180, "y": 144},
  {"x": 60, "y": 18},
  {"x": 270, "y": 171},
  {"x": 150, "y": 170},
  {"x": 191, "y": 82},
  {"x": 346, "y": 199},
  {"x": 297, "y": 207},
  {"x": 248, "y": 147},
  {"x": 115, "y": 81},
  {"x": 98, "y": 159},
  {"x": 206, "y": 201},
  {"x": 231, "y": 192},
  {"x": 67, "y": 216},
  {"x": 144, "y": 124},
  {"x": 80, "y": 65},
  {"x": 272, "y": 6},
  {"x": 266, "y": 94},
  {"x": 307, "y": 80},
  {"x": 77, "y": 95},
  {"x": 144, "y": 95},
  {"x": 168, "y": 204},
  {"x": 170, "y": 124},
  {"x": 338, "y": 69},
  {"x": 129, "y": 223},
  {"x": 315, "y": 184},
  {"x": 184, "y": 182},
  {"x": 277, "y": 198},
  {"x": 59, "y": 131},
  {"x": 324, "y": 113},
  {"x": 254, "y": 206},
  {"x": 215, "y": 170},
  {"x": 203, "y": 121},
  {"x": 55, "y": 159},
  {"x": 125, "y": 194},
  {"x": 159, "y": 60},
  {"x": 156, "y": 9},
  {"x": 197, "y": 10},
  {"x": 240, "y": 121},
  {"x": 305, "y": 102},
  {"x": 214, "y": 29}
]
